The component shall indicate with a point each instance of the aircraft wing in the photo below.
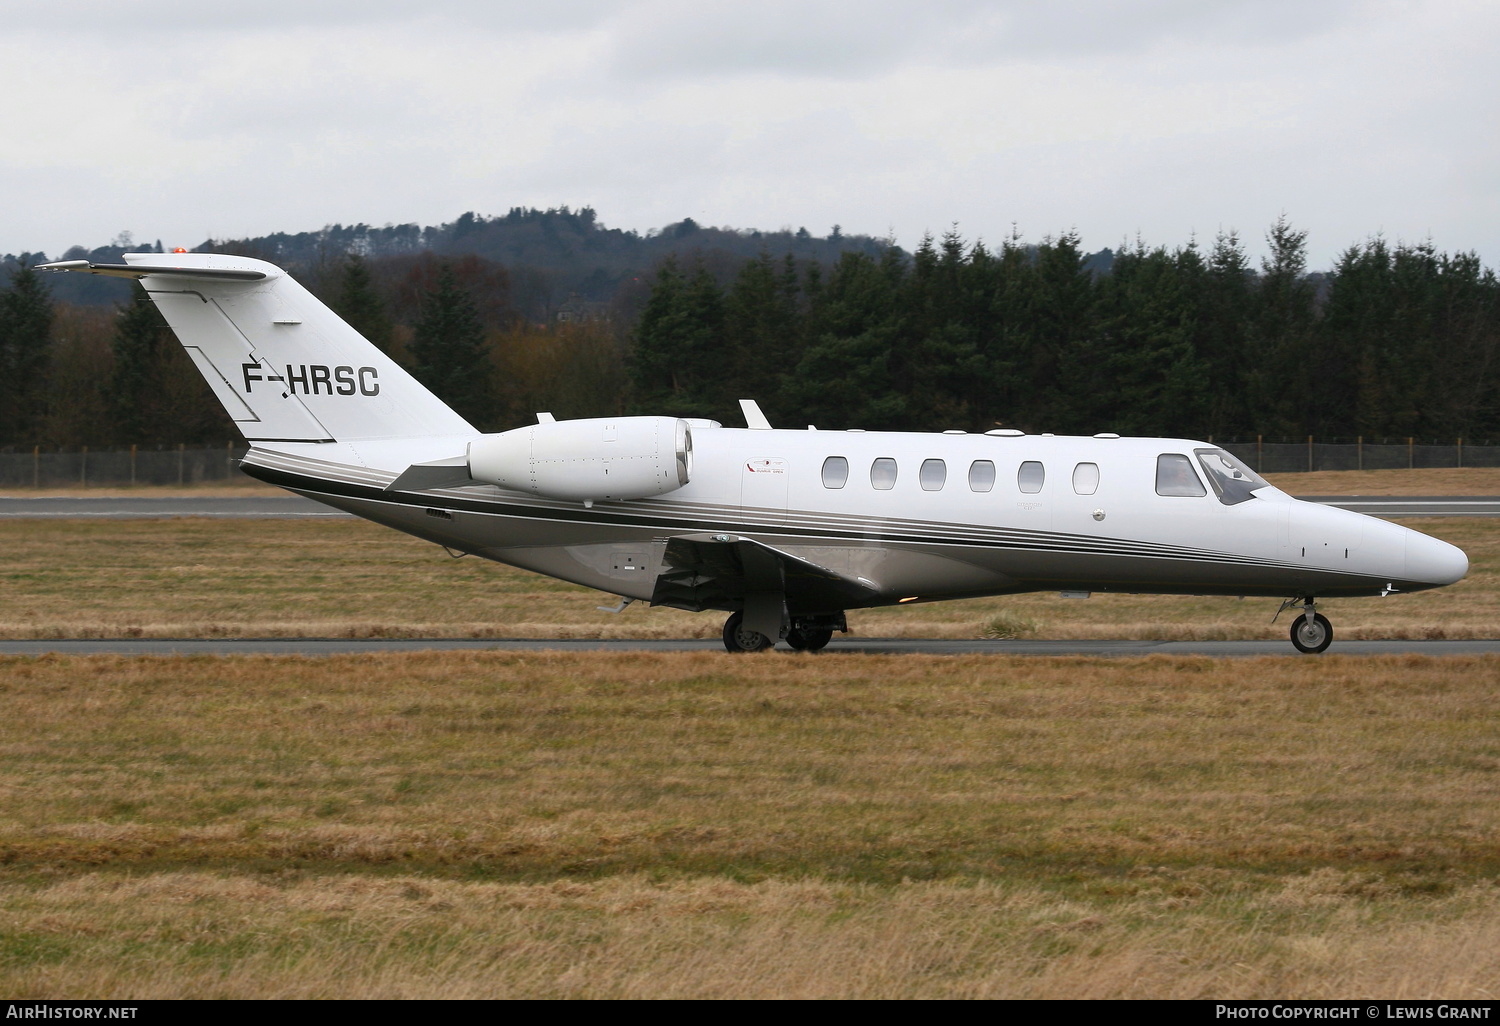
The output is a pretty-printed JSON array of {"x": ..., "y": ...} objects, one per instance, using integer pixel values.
[{"x": 717, "y": 571}]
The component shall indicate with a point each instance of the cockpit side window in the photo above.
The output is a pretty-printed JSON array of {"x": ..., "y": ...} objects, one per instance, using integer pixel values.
[
  {"x": 1175, "y": 476},
  {"x": 1232, "y": 480}
]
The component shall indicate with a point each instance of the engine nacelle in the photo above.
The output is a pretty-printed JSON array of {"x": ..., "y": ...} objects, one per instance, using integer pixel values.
[{"x": 587, "y": 460}]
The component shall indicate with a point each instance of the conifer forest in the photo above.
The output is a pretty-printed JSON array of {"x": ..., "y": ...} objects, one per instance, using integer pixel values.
[{"x": 549, "y": 310}]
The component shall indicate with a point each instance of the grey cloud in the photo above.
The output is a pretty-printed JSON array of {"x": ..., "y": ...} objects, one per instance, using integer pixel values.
[
  {"x": 671, "y": 38},
  {"x": 847, "y": 38},
  {"x": 1349, "y": 115},
  {"x": 171, "y": 17}
]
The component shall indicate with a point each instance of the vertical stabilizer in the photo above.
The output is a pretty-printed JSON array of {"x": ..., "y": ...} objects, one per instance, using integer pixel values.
[{"x": 285, "y": 367}]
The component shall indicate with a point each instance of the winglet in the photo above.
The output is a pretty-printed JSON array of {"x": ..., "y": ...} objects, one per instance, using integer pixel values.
[{"x": 754, "y": 419}]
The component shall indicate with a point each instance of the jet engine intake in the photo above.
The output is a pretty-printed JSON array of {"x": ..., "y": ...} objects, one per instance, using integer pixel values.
[{"x": 588, "y": 460}]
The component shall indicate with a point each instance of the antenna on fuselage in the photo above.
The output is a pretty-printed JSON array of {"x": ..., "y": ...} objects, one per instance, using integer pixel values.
[{"x": 754, "y": 419}]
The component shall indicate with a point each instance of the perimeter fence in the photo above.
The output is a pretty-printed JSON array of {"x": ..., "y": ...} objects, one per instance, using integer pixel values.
[
  {"x": 1284, "y": 457},
  {"x": 136, "y": 465},
  {"x": 179, "y": 465}
]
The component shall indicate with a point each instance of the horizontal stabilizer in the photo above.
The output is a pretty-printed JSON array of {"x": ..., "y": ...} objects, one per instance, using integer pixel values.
[
  {"x": 717, "y": 571},
  {"x": 448, "y": 473},
  {"x": 142, "y": 270}
]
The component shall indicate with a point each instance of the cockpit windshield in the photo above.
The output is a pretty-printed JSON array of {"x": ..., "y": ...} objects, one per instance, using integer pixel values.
[{"x": 1232, "y": 480}]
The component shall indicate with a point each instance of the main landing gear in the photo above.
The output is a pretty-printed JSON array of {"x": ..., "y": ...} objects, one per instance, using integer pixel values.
[
  {"x": 808, "y": 639},
  {"x": 1311, "y": 631},
  {"x": 804, "y": 634},
  {"x": 739, "y": 638}
]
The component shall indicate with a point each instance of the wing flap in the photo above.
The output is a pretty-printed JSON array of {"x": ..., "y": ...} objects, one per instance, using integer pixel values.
[{"x": 718, "y": 571}]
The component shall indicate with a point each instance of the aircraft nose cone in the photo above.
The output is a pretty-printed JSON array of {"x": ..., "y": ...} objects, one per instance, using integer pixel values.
[{"x": 1434, "y": 562}]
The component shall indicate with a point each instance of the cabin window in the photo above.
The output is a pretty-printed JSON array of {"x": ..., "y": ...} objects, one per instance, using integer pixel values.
[
  {"x": 1086, "y": 478},
  {"x": 1031, "y": 477},
  {"x": 981, "y": 476},
  {"x": 1175, "y": 476},
  {"x": 932, "y": 475},
  {"x": 883, "y": 474},
  {"x": 835, "y": 472}
]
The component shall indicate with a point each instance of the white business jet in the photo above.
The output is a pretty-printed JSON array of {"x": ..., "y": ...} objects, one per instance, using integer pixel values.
[{"x": 784, "y": 530}]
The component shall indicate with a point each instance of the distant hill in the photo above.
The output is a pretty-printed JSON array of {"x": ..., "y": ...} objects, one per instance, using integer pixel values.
[
  {"x": 555, "y": 257},
  {"x": 560, "y": 254}
]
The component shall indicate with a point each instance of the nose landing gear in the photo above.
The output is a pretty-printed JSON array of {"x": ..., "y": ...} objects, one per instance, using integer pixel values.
[{"x": 1311, "y": 631}]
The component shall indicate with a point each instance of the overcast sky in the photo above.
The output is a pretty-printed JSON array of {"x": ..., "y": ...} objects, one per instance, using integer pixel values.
[{"x": 1163, "y": 118}]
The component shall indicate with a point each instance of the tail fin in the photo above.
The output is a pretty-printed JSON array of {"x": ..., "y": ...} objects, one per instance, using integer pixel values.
[{"x": 287, "y": 368}]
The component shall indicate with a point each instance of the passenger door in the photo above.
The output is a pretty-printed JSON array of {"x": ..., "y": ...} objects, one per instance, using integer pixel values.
[{"x": 763, "y": 489}]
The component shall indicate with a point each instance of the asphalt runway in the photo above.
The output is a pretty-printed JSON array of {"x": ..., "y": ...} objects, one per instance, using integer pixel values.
[
  {"x": 856, "y": 646},
  {"x": 295, "y": 506},
  {"x": 246, "y": 507}
]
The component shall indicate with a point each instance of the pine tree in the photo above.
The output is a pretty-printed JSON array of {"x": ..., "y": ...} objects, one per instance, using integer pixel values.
[
  {"x": 1291, "y": 386},
  {"x": 1011, "y": 280},
  {"x": 140, "y": 342},
  {"x": 1146, "y": 377},
  {"x": 359, "y": 303},
  {"x": 1224, "y": 312},
  {"x": 1466, "y": 324},
  {"x": 449, "y": 353},
  {"x": 1054, "y": 320},
  {"x": 846, "y": 376},
  {"x": 761, "y": 336},
  {"x": 939, "y": 359},
  {"x": 25, "y": 342},
  {"x": 1359, "y": 318},
  {"x": 678, "y": 361}
]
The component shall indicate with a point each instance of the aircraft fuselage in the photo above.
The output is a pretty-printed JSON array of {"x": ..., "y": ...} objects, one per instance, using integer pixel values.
[{"x": 941, "y": 527}]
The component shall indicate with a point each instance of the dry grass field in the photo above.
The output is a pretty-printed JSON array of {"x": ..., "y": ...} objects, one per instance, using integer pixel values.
[
  {"x": 1434, "y": 481},
  {"x": 348, "y": 578},
  {"x": 699, "y": 824}
]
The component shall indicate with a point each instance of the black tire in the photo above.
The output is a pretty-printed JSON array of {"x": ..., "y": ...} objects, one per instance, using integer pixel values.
[
  {"x": 1314, "y": 637},
  {"x": 737, "y": 639},
  {"x": 809, "y": 640}
]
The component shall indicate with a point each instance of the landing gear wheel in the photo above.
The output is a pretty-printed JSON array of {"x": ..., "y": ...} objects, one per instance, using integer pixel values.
[
  {"x": 738, "y": 639},
  {"x": 1312, "y": 637},
  {"x": 813, "y": 639}
]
